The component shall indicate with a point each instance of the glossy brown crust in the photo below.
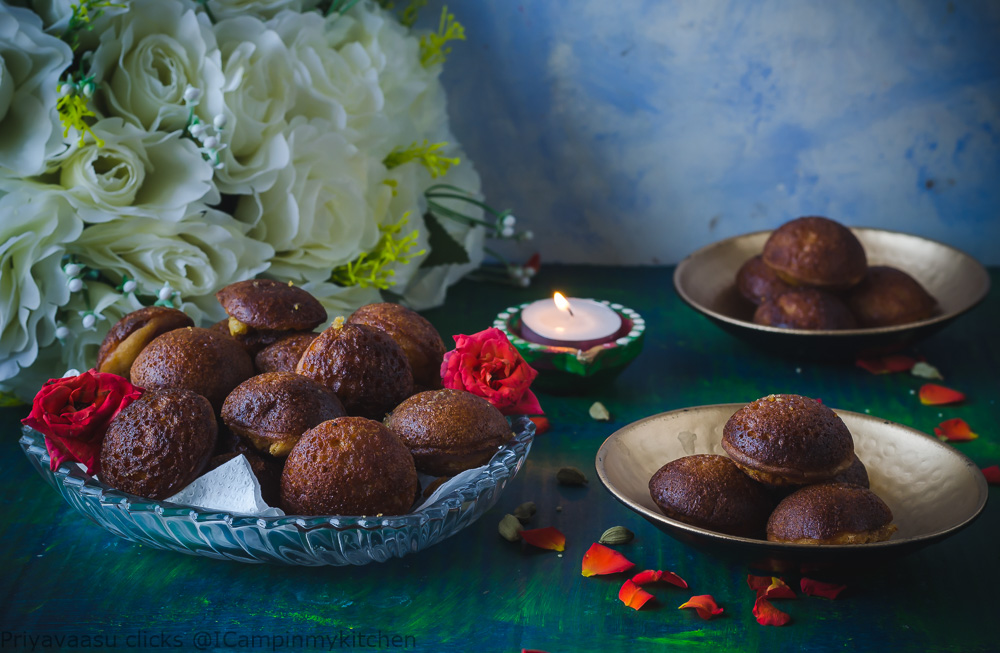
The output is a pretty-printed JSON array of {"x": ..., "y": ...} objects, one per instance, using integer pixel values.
[
  {"x": 273, "y": 410},
  {"x": 417, "y": 337},
  {"x": 449, "y": 431},
  {"x": 831, "y": 513},
  {"x": 349, "y": 466},
  {"x": 856, "y": 474},
  {"x": 710, "y": 491},
  {"x": 159, "y": 443},
  {"x": 887, "y": 297},
  {"x": 268, "y": 304},
  {"x": 200, "y": 360},
  {"x": 283, "y": 355},
  {"x": 788, "y": 440},
  {"x": 132, "y": 333},
  {"x": 364, "y": 367},
  {"x": 816, "y": 251},
  {"x": 757, "y": 282},
  {"x": 805, "y": 308}
]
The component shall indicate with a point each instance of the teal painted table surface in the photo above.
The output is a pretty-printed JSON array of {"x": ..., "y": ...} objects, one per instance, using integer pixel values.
[{"x": 63, "y": 576}]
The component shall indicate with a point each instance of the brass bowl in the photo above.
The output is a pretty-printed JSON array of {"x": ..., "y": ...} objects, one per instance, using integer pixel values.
[
  {"x": 932, "y": 490},
  {"x": 706, "y": 281}
]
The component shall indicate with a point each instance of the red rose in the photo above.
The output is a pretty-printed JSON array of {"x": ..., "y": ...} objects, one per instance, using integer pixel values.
[
  {"x": 74, "y": 413},
  {"x": 487, "y": 365}
]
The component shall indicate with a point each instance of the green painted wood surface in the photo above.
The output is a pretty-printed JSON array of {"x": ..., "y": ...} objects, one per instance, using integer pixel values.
[{"x": 62, "y": 575}]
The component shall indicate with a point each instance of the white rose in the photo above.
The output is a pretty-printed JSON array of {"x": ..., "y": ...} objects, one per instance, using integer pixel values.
[
  {"x": 259, "y": 89},
  {"x": 134, "y": 173},
  {"x": 31, "y": 63},
  {"x": 316, "y": 214},
  {"x": 33, "y": 234},
  {"x": 146, "y": 59},
  {"x": 196, "y": 256},
  {"x": 261, "y": 8}
]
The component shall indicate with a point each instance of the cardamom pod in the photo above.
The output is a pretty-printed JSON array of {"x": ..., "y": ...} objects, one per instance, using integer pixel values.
[
  {"x": 525, "y": 511},
  {"x": 617, "y": 535},
  {"x": 510, "y": 528},
  {"x": 571, "y": 476}
]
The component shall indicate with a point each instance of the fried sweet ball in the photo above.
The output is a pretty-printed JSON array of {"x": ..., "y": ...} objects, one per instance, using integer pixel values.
[
  {"x": 831, "y": 513},
  {"x": 263, "y": 311},
  {"x": 758, "y": 283},
  {"x": 449, "y": 431},
  {"x": 805, "y": 308},
  {"x": 284, "y": 354},
  {"x": 349, "y": 466},
  {"x": 273, "y": 410},
  {"x": 856, "y": 474},
  {"x": 159, "y": 443},
  {"x": 363, "y": 365},
  {"x": 816, "y": 251},
  {"x": 710, "y": 491},
  {"x": 783, "y": 440},
  {"x": 417, "y": 337},
  {"x": 200, "y": 360},
  {"x": 887, "y": 297},
  {"x": 131, "y": 334}
]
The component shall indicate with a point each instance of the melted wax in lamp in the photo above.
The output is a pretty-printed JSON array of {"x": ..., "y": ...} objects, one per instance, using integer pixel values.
[{"x": 576, "y": 323}]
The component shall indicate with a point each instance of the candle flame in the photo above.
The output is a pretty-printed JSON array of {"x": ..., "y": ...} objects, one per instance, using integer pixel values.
[{"x": 562, "y": 303}]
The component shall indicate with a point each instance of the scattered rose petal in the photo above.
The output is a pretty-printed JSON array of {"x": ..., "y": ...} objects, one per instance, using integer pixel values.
[
  {"x": 954, "y": 430},
  {"x": 704, "y": 604},
  {"x": 886, "y": 364},
  {"x": 770, "y": 587},
  {"x": 758, "y": 583},
  {"x": 599, "y": 412},
  {"x": 545, "y": 538},
  {"x": 542, "y": 424},
  {"x": 652, "y": 576},
  {"x": 633, "y": 596},
  {"x": 600, "y": 560},
  {"x": 926, "y": 371},
  {"x": 819, "y": 588},
  {"x": 767, "y": 614},
  {"x": 992, "y": 474},
  {"x": 932, "y": 394}
]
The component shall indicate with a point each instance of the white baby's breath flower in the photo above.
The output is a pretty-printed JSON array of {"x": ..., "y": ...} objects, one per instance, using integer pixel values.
[
  {"x": 31, "y": 63},
  {"x": 34, "y": 230},
  {"x": 149, "y": 56},
  {"x": 316, "y": 215},
  {"x": 259, "y": 90},
  {"x": 195, "y": 256}
]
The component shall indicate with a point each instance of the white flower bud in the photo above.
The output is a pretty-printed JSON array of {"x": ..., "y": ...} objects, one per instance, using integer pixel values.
[
  {"x": 73, "y": 270},
  {"x": 528, "y": 235},
  {"x": 75, "y": 284},
  {"x": 165, "y": 293},
  {"x": 89, "y": 320},
  {"x": 197, "y": 129},
  {"x": 88, "y": 89},
  {"x": 509, "y": 220},
  {"x": 220, "y": 121},
  {"x": 507, "y": 232},
  {"x": 66, "y": 88},
  {"x": 211, "y": 142},
  {"x": 192, "y": 94},
  {"x": 62, "y": 332},
  {"x": 529, "y": 272},
  {"x": 129, "y": 286},
  {"x": 524, "y": 282}
]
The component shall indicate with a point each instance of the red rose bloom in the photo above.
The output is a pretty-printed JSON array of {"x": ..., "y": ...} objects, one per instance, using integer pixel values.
[
  {"x": 487, "y": 365},
  {"x": 74, "y": 413}
]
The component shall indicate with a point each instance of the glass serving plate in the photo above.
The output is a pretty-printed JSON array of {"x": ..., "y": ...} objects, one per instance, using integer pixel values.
[{"x": 292, "y": 540}]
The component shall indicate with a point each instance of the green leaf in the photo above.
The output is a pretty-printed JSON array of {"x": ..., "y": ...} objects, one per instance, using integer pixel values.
[{"x": 445, "y": 250}]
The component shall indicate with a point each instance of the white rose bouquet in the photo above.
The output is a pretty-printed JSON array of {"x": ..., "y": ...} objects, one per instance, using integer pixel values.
[{"x": 153, "y": 151}]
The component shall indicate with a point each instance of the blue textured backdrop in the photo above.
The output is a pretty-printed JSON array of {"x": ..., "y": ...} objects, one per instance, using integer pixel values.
[{"x": 636, "y": 131}]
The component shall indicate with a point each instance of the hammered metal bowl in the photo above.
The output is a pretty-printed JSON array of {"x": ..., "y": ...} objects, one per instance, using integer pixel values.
[
  {"x": 932, "y": 490},
  {"x": 706, "y": 280}
]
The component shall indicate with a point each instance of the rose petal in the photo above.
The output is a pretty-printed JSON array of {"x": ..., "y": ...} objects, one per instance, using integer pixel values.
[
  {"x": 770, "y": 587},
  {"x": 542, "y": 424},
  {"x": 767, "y": 614},
  {"x": 545, "y": 538},
  {"x": 992, "y": 474},
  {"x": 818, "y": 588},
  {"x": 886, "y": 364},
  {"x": 932, "y": 394},
  {"x": 954, "y": 430},
  {"x": 600, "y": 560},
  {"x": 704, "y": 604},
  {"x": 633, "y": 596},
  {"x": 758, "y": 583},
  {"x": 652, "y": 576}
]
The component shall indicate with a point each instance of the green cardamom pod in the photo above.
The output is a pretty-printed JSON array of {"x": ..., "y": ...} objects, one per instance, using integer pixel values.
[
  {"x": 510, "y": 528},
  {"x": 525, "y": 511},
  {"x": 571, "y": 476},
  {"x": 617, "y": 535}
]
